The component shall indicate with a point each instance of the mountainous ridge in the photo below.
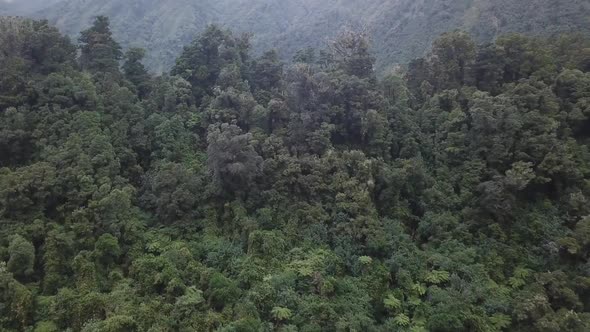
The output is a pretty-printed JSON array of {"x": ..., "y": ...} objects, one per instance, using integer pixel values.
[
  {"x": 401, "y": 29},
  {"x": 24, "y": 7}
]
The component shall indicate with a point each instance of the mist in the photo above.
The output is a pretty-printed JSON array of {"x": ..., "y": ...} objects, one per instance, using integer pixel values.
[{"x": 399, "y": 29}]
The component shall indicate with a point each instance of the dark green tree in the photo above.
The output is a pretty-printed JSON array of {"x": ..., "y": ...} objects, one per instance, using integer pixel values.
[
  {"x": 351, "y": 51},
  {"x": 135, "y": 71},
  {"x": 99, "y": 51},
  {"x": 22, "y": 257},
  {"x": 232, "y": 159},
  {"x": 202, "y": 62}
]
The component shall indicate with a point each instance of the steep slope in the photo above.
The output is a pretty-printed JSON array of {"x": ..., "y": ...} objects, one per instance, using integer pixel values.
[
  {"x": 237, "y": 196},
  {"x": 401, "y": 29},
  {"x": 24, "y": 7},
  {"x": 162, "y": 27}
]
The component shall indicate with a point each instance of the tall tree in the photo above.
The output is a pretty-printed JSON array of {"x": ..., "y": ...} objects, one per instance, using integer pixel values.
[
  {"x": 232, "y": 158},
  {"x": 202, "y": 62},
  {"x": 135, "y": 71},
  {"x": 99, "y": 51},
  {"x": 351, "y": 51}
]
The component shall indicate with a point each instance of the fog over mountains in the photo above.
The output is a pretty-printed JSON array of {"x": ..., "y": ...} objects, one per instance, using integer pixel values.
[
  {"x": 24, "y": 7},
  {"x": 401, "y": 29}
]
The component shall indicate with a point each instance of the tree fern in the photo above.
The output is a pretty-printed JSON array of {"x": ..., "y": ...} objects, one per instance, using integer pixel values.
[
  {"x": 437, "y": 277},
  {"x": 419, "y": 289},
  {"x": 402, "y": 320},
  {"x": 500, "y": 321},
  {"x": 392, "y": 303},
  {"x": 281, "y": 314}
]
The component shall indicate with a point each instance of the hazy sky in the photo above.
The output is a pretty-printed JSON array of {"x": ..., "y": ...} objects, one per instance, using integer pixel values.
[{"x": 26, "y": 6}]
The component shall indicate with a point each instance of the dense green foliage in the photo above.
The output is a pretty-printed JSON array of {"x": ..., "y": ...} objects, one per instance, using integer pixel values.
[
  {"x": 401, "y": 29},
  {"x": 239, "y": 193}
]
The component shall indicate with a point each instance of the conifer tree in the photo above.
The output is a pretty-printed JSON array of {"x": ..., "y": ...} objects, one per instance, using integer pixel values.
[{"x": 99, "y": 51}]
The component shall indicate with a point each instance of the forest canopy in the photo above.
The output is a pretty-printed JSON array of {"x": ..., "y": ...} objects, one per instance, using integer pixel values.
[
  {"x": 239, "y": 192},
  {"x": 401, "y": 29}
]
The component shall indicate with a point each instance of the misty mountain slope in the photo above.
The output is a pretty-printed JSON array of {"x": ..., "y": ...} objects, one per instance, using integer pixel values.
[
  {"x": 401, "y": 29},
  {"x": 24, "y": 7},
  {"x": 162, "y": 27},
  {"x": 406, "y": 33}
]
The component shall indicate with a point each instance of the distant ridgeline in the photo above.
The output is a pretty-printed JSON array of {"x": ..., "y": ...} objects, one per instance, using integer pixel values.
[
  {"x": 237, "y": 192},
  {"x": 400, "y": 29}
]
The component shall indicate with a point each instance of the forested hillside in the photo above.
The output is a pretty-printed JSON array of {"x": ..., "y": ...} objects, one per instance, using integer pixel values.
[
  {"x": 241, "y": 193},
  {"x": 401, "y": 29}
]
